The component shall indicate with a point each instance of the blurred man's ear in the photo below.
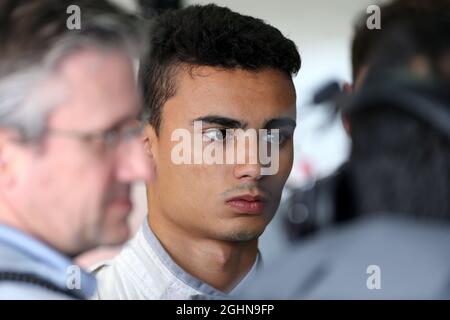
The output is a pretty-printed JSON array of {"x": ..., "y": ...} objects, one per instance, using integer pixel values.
[
  {"x": 345, "y": 124},
  {"x": 2, "y": 155},
  {"x": 360, "y": 77},
  {"x": 348, "y": 89},
  {"x": 7, "y": 161}
]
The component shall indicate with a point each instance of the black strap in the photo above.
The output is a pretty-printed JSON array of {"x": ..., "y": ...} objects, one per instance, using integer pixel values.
[{"x": 37, "y": 281}]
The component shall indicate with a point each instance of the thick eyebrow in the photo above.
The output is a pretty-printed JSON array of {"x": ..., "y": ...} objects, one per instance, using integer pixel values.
[
  {"x": 280, "y": 122},
  {"x": 223, "y": 121}
]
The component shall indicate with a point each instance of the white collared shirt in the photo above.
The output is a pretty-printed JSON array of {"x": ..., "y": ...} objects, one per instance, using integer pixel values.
[{"x": 144, "y": 270}]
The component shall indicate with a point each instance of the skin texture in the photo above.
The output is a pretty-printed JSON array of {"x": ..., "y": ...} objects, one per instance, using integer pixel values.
[
  {"x": 187, "y": 202},
  {"x": 72, "y": 193}
]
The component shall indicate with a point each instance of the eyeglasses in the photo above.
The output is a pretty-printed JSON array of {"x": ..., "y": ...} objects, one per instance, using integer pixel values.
[{"x": 109, "y": 138}]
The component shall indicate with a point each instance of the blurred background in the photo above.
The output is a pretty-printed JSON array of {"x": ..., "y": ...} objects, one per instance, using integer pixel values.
[{"x": 322, "y": 30}]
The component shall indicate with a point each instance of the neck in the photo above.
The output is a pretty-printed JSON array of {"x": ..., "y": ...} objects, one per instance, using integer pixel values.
[{"x": 221, "y": 264}]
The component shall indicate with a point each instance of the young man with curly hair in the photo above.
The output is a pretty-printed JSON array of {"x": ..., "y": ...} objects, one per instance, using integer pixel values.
[{"x": 227, "y": 72}]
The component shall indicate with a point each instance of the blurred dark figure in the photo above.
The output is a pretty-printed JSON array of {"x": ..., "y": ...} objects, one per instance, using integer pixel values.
[
  {"x": 396, "y": 247},
  {"x": 331, "y": 200}
]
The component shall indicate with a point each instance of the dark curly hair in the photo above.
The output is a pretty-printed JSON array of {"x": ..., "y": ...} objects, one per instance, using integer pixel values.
[{"x": 208, "y": 36}]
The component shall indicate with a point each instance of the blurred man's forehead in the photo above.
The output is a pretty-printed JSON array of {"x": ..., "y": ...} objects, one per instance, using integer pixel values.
[{"x": 101, "y": 87}]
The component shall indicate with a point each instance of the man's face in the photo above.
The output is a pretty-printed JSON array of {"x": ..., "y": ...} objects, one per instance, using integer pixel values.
[
  {"x": 79, "y": 189},
  {"x": 211, "y": 200}
]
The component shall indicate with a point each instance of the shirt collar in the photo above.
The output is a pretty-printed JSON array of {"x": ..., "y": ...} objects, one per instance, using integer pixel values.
[
  {"x": 186, "y": 277},
  {"x": 47, "y": 262}
]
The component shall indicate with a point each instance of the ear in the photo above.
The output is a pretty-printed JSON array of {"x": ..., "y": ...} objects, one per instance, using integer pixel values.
[
  {"x": 347, "y": 87},
  {"x": 346, "y": 124},
  {"x": 8, "y": 160},
  {"x": 149, "y": 139}
]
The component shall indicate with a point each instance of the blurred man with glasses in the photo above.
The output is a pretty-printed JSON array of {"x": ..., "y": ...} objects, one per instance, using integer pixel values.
[{"x": 69, "y": 145}]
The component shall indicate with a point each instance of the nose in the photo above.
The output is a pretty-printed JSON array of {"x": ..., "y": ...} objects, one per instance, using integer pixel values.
[
  {"x": 251, "y": 168},
  {"x": 248, "y": 172},
  {"x": 133, "y": 163}
]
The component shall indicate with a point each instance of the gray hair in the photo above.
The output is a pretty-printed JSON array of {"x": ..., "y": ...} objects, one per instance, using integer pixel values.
[{"x": 22, "y": 105}]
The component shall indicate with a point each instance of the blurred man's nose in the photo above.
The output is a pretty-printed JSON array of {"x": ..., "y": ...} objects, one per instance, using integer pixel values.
[{"x": 134, "y": 164}]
